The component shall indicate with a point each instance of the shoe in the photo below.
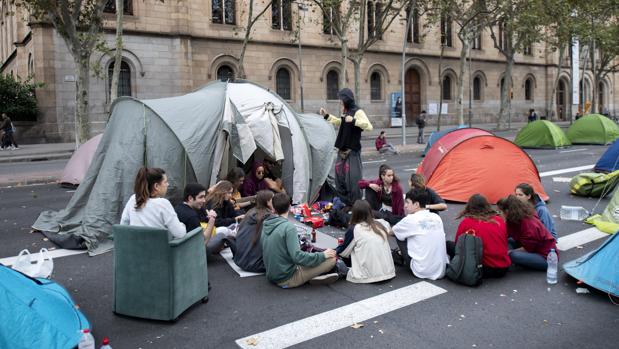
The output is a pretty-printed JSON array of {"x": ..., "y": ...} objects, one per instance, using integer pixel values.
[
  {"x": 398, "y": 259},
  {"x": 324, "y": 279},
  {"x": 15, "y": 148}
]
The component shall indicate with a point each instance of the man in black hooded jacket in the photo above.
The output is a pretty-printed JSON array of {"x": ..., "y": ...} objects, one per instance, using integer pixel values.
[{"x": 348, "y": 167}]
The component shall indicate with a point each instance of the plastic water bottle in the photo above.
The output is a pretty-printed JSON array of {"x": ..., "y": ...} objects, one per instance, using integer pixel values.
[
  {"x": 553, "y": 265},
  {"x": 573, "y": 213},
  {"x": 106, "y": 343},
  {"x": 87, "y": 341}
]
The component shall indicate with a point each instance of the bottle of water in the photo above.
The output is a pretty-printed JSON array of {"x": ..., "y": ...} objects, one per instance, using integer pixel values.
[
  {"x": 573, "y": 213},
  {"x": 87, "y": 341},
  {"x": 553, "y": 265},
  {"x": 106, "y": 343}
]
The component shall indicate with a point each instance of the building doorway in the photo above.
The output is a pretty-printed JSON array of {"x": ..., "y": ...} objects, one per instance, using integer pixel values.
[
  {"x": 561, "y": 99},
  {"x": 412, "y": 91}
]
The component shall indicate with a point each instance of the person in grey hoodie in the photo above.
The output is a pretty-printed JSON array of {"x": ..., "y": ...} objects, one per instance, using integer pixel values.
[
  {"x": 248, "y": 251},
  {"x": 525, "y": 192},
  {"x": 286, "y": 265}
]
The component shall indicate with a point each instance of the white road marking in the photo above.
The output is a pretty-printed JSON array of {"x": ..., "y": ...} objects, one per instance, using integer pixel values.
[
  {"x": 410, "y": 169},
  {"x": 566, "y": 170},
  {"x": 572, "y": 150},
  {"x": 53, "y": 253},
  {"x": 561, "y": 179},
  {"x": 374, "y": 161},
  {"x": 227, "y": 254},
  {"x": 579, "y": 238},
  {"x": 314, "y": 326}
]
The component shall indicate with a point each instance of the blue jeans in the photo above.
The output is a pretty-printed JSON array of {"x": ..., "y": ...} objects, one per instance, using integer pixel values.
[{"x": 526, "y": 259}]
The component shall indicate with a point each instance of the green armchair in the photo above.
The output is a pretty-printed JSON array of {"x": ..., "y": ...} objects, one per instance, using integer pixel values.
[{"x": 156, "y": 277}]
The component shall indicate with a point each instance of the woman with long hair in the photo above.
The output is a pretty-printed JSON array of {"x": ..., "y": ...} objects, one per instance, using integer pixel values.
[
  {"x": 385, "y": 194},
  {"x": 436, "y": 203},
  {"x": 218, "y": 200},
  {"x": 531, "y": 240},
  {"x": 479, "y": 219},
  {"x": 248, "y": 253},
  {"x": 254, "y": 182},
  {"x": 236, "y": 176},
  {"x": 148, "y": 206},
  {"x": 525, "y": 192},
  {"x": 367, "y": 246}
]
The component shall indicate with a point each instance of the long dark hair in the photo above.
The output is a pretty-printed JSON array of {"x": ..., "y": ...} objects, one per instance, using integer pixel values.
[
  {"x": 417, "y": 181},
  {"x": 527, "y": 189},
  {"x": 362, "y": 213},
  {"x": 478, "y": 208},
  {"x": 262, "y": 211},
  {"x": 144, "y": 184},
  {"x": 382, "y": 170},
  {"x": 515, "y": 210},
  {"x": 217, "y": 196},
  {"x": 234, "y": 176}
]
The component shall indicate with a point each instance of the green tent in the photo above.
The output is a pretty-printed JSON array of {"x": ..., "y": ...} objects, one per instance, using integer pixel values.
[
  {"x": 541, "y": 134},
  {"x": 608, "y": 221},
  {"x": 593, "y": 129}
]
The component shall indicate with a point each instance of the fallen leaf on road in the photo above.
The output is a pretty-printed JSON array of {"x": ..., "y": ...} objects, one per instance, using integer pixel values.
[
  {"x": 582, "y": 290},
  {"x": 252, "y": 341},
  {"x": 357, "y": 325}
]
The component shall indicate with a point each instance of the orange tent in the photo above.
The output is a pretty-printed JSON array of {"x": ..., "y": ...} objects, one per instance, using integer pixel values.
[
  {"x": 445, "y": 143},
  {"x": 484, "y": 164}
]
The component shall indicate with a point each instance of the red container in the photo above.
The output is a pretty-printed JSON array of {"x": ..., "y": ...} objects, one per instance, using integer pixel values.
[{"x": 340, "y": 241}]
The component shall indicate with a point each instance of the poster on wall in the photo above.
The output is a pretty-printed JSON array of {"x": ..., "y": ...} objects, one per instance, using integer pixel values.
[
  {"x": 396, "y": 109},
  {"x": 433, "y": 109}
]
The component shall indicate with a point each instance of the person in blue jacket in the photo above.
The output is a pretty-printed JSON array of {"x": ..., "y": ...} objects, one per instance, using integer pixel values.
[{"x": 525, "y": 192}]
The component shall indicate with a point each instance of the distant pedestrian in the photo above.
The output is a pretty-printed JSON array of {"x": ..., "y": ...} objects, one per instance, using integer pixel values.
[
  {"x": 382, "y": 146},
  {"x": 578, "y": 115},
  {"x": 421, "y": 123},
  {"x": 8, "y": 136},
  {"x": 532, "y": 115}
]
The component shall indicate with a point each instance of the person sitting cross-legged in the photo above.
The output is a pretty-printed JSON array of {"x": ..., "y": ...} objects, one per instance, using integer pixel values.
[
  {"x": 421, "y": 237},
  {"x": 248, "y": 252},
  {"x": 286, "y": 265}
]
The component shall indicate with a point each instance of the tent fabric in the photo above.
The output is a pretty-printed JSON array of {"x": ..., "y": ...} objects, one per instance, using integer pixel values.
[
  {"x": 593, "y": 129},
  {"x": 37, "y": 313},
  {"x": 608, "y": 221},
  {"x": 609, "y": 161},
  {"x": 599, "y": 268},
  {"x": 191, "y": 137},
  {"x": 76, "y": 168},
  {"x": 436, "y": 135},
  {"x": 446, "y": 143},
  {"x": 486, "y": 164},
  {"x": 541, "y": 134}
]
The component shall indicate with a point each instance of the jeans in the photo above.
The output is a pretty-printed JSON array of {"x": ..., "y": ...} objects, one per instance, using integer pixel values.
[
  {"x": 420, "y": 136},
  {"x": 528, "y": 260}
]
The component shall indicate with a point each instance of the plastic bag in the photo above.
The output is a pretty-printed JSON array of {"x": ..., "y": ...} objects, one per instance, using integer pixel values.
[{"x": 42, "y": 267}]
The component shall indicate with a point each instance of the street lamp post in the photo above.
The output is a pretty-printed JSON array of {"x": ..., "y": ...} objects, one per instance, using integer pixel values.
[{"x": 303, "y": 8}]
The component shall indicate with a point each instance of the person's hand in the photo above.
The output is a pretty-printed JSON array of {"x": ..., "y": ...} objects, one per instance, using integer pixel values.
[
  {"x": 211, "y": 214},
  {"x": 323, "y": 111},
  {"x": 329, "y": 253},
  {"x": 348, "y": 118},
  {"x": 239, "y": 218},
  {"x": 374, "y": 187}
]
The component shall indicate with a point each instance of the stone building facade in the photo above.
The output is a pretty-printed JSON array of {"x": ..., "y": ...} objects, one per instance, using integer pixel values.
[{"x": 173, "y": 47}]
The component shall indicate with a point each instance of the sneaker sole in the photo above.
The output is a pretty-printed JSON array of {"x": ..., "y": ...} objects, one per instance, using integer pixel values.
[{"x": 324, "y": 279}]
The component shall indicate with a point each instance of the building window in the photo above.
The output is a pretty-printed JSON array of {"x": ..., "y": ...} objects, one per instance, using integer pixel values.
[
  {"x": 413, "y": 30},
  {"x": 374, "y": 23},
  {"x": 110, "y": 7},
  {"x": 225, "y": 73},
  {"x": 282, "y": 83},
  {"x": 124, "y": 78},
  {"x": 527, "y": 51},
  {"x": 446, "y": 31},
  {"x": 477, "y": 88},
  {"x": 328, "y": 17},
  {"x": 528, "y": 90},
  {"x": 447, "y": 88},
  {"x": 375, "y": 87},
  {"x": 333, "y": 84},
  {"x": 223, "y": 11},
  {"x": 30, "y": 65},
  {"x": 281, "y": 14},
  {"x": 502, "y": 36},
  {"x": 477, "y": 41}
]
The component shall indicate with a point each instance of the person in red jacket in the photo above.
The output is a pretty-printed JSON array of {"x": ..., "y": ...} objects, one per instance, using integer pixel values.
[
  {"x": 385, "y": 194},
  {"x": 382, "y": 146},
  {"x": 487, "y": 224},
  {"x": 531, "y": 240}
]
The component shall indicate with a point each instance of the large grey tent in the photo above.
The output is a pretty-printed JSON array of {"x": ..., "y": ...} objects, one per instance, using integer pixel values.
[{"x": 195, "y": 137}]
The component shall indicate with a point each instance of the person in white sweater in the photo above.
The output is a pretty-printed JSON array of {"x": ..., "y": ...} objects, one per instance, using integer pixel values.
[
  {"x": 421, "y": 237},
  {"x": 148, "y": 207}
]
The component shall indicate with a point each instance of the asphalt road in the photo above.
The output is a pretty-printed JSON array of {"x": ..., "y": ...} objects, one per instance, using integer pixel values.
[{"x": 518, "y": 311}]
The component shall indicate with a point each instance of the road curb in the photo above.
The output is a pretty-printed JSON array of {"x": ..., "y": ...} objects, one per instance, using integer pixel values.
[
  {"x": 29, "y": 181},
  {"x": 35, "y": 157}
]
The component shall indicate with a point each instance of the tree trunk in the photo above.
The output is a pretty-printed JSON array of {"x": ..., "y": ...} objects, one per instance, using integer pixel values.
[
  {"x": 506, "y": 100},
  {"x": 344, "y": 53},
  {"x": 460, "y": 98},
  {"x": 594, "y": 94},
  {"x": 550, "y": 106},
  {"x": 82, "y": 125},
  {"x": 119, "y": 49},
  {"x": 357, "y": 68},
  {"x": 440, "y": 86}
]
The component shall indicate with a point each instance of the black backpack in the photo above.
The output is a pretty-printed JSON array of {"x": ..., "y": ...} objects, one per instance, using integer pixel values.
[{"x": 466, "y": 268}]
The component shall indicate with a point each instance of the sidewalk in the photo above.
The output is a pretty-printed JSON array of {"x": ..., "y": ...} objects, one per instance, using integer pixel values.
[{"x": 38, "y": 152}]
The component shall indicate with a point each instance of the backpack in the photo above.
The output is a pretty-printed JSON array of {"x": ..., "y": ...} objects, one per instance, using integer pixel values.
[
  {"x": 339, "y": 217},
  {"x": 466, "y": 268},
  {"x": 594, "y": 184},
  {"x": 421, "y": 121}
]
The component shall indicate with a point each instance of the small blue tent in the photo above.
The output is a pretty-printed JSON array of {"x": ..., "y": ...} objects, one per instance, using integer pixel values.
[
  {"x": 436, "y": 135},
  {"x": 37, "y": 313},
  {"x": 609, "y": 161},
  {"x": 599, "y": 268}
]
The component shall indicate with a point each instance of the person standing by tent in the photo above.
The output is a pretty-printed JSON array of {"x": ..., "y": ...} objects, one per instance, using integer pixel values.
[
  {"x": 385, "y": 194},
  {"x": 530, "y": 241},
  {"x": 526, "y": 193},
  {"x": 348, "y": 167}
]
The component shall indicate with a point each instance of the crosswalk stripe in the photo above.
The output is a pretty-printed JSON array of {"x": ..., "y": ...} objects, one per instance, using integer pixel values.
[
  {"x": 566, "y": 170},
  {"x": 53, "y": 253},
  {"x": 579, "y": 238},
  {"x": 314, "y": 326}
]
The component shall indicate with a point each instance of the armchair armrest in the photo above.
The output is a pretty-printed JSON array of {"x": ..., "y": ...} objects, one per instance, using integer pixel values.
[{"x": 191, "y": 234}]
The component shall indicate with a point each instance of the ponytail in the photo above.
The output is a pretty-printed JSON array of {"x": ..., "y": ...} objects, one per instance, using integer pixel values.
[{"x": 144, "y": 182}]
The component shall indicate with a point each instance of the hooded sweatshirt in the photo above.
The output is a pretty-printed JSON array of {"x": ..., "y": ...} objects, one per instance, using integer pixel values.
[
  {"x": 349, "y": 134},
  {"x": 248, "y": 256},
  {"x": 281, "y": 251}
]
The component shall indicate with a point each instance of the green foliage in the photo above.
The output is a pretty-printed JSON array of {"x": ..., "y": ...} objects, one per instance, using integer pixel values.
[{"x": 17, "y": 98}]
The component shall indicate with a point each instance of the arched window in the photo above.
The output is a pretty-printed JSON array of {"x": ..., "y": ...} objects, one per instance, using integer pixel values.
[
  {"x": 333, "y": 84},
  {"x": 528, "y": 90},
  {"x": 225, "y": 73},
  {"x": 477, "y": 88},
  {"x": 282, "y": 83},
  {"x": 124, "y": 78},
  {"x": 376, "y": 87},
  {"x": 447, "y": 87}
]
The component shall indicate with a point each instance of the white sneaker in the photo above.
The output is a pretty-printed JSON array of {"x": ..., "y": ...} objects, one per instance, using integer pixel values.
[{"x": 324, "y": 279}]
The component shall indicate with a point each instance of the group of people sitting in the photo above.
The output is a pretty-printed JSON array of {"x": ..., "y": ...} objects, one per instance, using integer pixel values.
[{"x": 250, "y": 216}]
